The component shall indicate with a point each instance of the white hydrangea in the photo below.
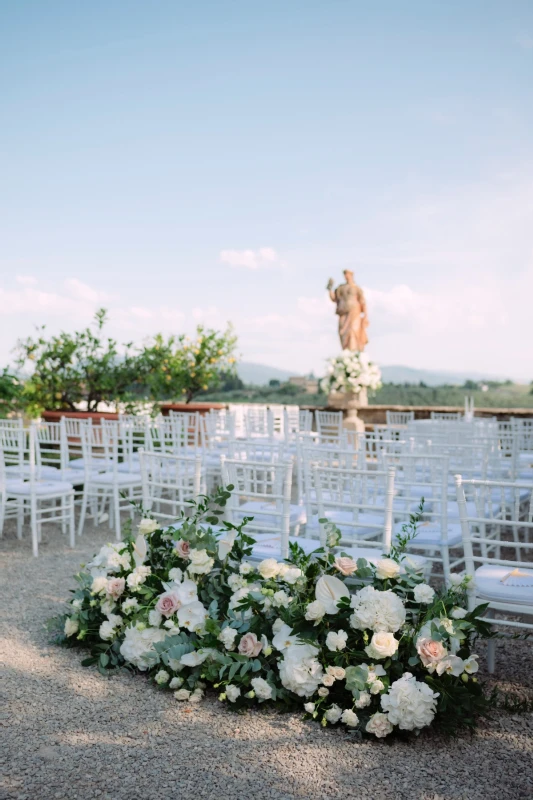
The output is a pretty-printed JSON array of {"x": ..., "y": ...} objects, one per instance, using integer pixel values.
[
  {"x": 336, "y": 640},
  {"x": 300, "y": 671},
  {"x": 377, "y": 611},
  {"x": 410, "y": 704},
  {"x": 138, "y": 646}
]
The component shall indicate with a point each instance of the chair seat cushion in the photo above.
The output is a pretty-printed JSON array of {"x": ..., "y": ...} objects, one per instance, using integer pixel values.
[
  {"x": 348, "y": 524},
  {"x": 429, "y": 534},
  {"x": 40, "y": 488},
  {"x": 489, "y": 585},
  {"x": 74, "y": 476},
  {"x": 97, "y": 464},
  {"x": 44, "y": 471},
  {"x": 262, "y": 512},
  {"x": 122, "y": 478}
]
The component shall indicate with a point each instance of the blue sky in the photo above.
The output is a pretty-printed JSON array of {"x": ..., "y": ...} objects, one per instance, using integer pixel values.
[{"x": 202, "y": 162}]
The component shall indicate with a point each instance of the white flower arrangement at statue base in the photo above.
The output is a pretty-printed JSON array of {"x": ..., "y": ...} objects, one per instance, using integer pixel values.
[
  {"x": 186, "y": 606},
  {"x": 348, "y": 379}
]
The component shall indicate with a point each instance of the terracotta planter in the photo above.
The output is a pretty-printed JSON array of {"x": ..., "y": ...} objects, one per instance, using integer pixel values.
[
  {"x": 203, "y": 408},
  {"x": 96, "y": 416}
]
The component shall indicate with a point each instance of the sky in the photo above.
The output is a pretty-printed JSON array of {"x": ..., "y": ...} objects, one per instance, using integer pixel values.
[{"x": 183, "y": 163}]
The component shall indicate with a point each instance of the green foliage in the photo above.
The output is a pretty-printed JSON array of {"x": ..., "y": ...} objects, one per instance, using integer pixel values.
[
  {"x": 178, "y": 368},
  {"x": 11, "y": 391}
]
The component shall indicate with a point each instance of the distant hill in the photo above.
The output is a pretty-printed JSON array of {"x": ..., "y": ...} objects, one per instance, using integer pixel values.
[{"x": 261, "y": 374}]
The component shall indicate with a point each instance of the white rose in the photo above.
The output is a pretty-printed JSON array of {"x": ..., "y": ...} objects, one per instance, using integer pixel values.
[
  {"x": 424, "y": 593},
  {"x": 148, "y": 526},
  {"x": 227, "y": 636},
  {"x": 309, "y": 707},
  {"x": 338, "y": 673},
  {"x": 232, "y": 692},
  {"x": 328, "y": 680},
  {"x": 162, "y": 677},
  {"x": 291, "y": 575},
  {"x": 333, "y": 714},
  {"x": 268, "y": 568},
  {"x": 379, "y": 725},
  {"x": 382, "y": 645},
  {"x": 262, "y": 689},
  {"x": 336, "y": 641},
  {"x": 458, "y": 613},
  {"x": 182, "y": 694},
  {"x": 323, "y": 692},
  {"x": 387, "y": 568},
  {"x": 71, "y": 626},
  {"x": 315, "y": 611},
  {"x": 350, "y": 718},
  {"x": 376, "y": 687},
  {"x": 329, "y": 590},
  {"x": 363, "y": 700},
  {"x": 200, "y": 563},
  {"x": 456, "y": 579}
]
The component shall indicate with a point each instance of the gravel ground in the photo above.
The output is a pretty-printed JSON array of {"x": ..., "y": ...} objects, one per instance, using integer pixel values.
[{"x": 67, "y": 732}]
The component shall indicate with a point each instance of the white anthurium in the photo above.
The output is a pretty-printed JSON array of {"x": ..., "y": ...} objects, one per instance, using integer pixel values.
[
  {"x": 225, "y": 544},
  {"x": 140, "y": 549},
  {"x": 329, "y": 590}
]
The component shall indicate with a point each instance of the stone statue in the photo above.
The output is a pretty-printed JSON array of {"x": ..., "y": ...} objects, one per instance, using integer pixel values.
[{"x": 351, "y": 308}]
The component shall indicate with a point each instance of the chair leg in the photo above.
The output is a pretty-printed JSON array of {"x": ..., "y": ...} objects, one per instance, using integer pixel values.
[
  {"x": 3, "y": 501},
  {"x": 20, "y": 518},
  {"x": 72, "y": 525},
  {"x": 83, "y": 510},
  {"x": 116, "y": 509},
  {"x": 34, "y": 526},
  {"x": 63, "y": 512}
]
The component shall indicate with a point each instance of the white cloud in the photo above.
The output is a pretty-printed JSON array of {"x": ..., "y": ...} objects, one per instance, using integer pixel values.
[
  {"x": 26, "y": 280},
  {"x": 250, "y": 259},
  {"x": 81, "y": 291},
  {"x": 525, "y": 41}
]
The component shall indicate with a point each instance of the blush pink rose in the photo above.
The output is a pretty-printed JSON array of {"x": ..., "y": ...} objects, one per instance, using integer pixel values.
[
  {"x": 345, "y": 565},
  {"x": 430, "y": 651},
  {"x": 249, "y": 645},
  {"x": 168, "y": 603},
  {"x": 183, "y": 549},
  {"x": 115, "y": 587}
]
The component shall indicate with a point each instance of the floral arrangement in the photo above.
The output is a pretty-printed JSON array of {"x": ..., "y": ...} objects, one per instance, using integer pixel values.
[
  {"x": 351, "y": 372},
  {"x": 373, "y": 648}
]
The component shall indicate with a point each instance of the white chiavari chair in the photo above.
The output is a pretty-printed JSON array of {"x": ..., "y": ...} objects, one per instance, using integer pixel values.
[{"x": 169, "y": 483}]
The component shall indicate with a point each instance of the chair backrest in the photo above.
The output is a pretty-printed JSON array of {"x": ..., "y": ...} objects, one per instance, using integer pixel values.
[
  {"x": 261, "y": 491},
  {"x": 265, "y": 451},
  {"x": 191, "y": 426},
  {"x": 51, "y": 446},
  {"x": 329, "y": 424},
  {"x": 446, "y": 416},
  {"x": 334, "y": 456},
  {"x": 96, "y": 449},
  {"x": 257, "y": 422},
  {"x": 169, "y": 482},
  {"x": 399, "y": 417},
  {"x": 496, "y": 523},
  {"x": 359, "y": 501},
  {"x": 13, "y": 441}
]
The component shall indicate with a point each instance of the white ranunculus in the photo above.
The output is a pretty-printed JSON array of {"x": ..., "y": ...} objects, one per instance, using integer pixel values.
[
  {"x": 323, "y": 691},
  {"x": 200, "y": 563},
  {"x": 451, "y": 665},
  {"x": 182, "y": 695},
  {"x": 377, "y": 611},
  {"x": 336, "y": 640},
  {"x": 382, "y": 645},
  {"x": 363, "y": 700},
  {"x": 195, "y": 658},
  {"x": 338, "y": 673},
  {"x": 245, "y": 568},
  {"x": 387, "y": 568},
  {"x": 456, "y": 579},
  {"x": 262, "y": 689},
  {"x": 71, "y": 626},
  {"x": 409, "y": 703},
  {"x": 458, "y": 613},
  {"x": 107, "y": 630},
  {"x": 162, "y": 677},
  {"x": 192, "y": 616},
  {"x": 138, "y": 646},
  {"x": 328, "y": 680},
  {"x": 350, "y": 718},
  {"x": 315, "y": 611},
  {"x": 470, "y": 665},
  {"x": 423, "y": 593},
  {"x": 333, "y": 714},
  {"x": 130, "y": 605},
  {"x": 309, "y": 707},
  {"x": 284, "y": 638},
  {"x": 291, "y": 575},
  {"x": 176, "y": 683},
  {"x": 147, "y": 526},
  {"x": 329, "y": 590},
  {"x": 99, "y": 585},
  {"x": 379, "y": 725},
  {"x": 376, "y": 687},
  {"x": 227, "y": 636},
  {"x": 300, "y": 671},
  {"x": 268, "y": 568},
  {"x": 232, "y": 692},
  {"x": 281, "y": 599},
  {"x": 225, "y": 544}
]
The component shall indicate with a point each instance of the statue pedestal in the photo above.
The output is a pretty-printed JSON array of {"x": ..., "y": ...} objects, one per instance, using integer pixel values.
[{"x": 350, "y": 402}]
